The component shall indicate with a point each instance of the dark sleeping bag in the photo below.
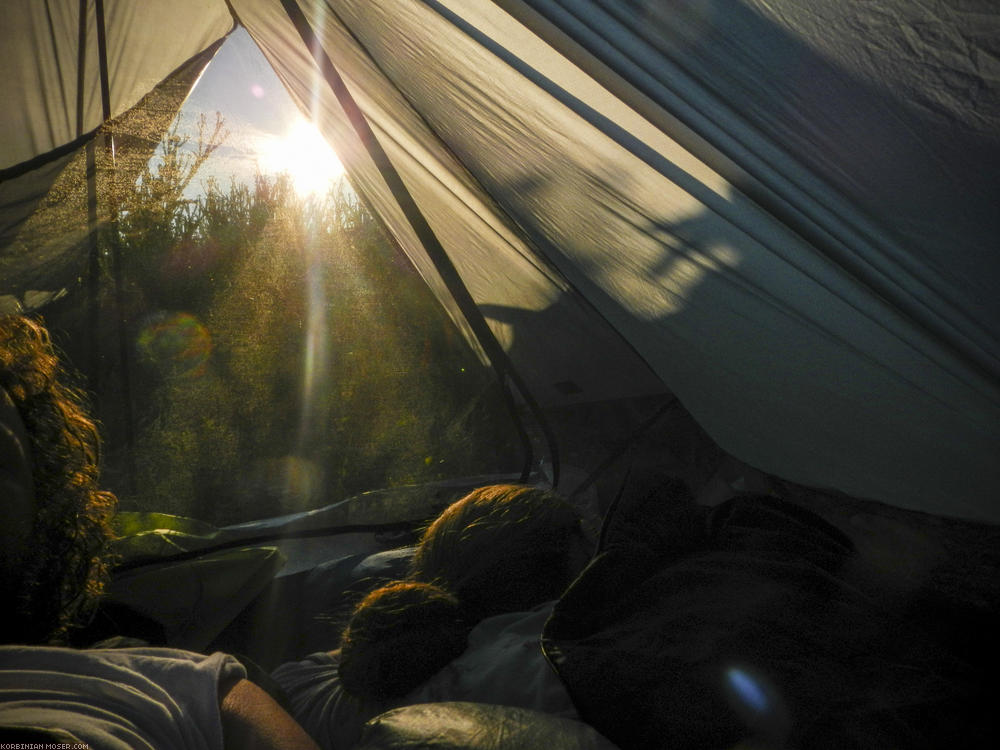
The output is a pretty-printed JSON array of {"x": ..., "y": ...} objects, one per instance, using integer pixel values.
[{"x": 699, "y": 628}]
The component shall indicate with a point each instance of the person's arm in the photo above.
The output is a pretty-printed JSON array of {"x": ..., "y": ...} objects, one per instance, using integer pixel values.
[{"x": 252, "y": 720}]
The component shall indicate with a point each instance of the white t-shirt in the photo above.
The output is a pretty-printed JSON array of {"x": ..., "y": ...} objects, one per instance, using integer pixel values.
[
  {"x": 503, "y": 664},
  {"x": 118, "y": 699}
]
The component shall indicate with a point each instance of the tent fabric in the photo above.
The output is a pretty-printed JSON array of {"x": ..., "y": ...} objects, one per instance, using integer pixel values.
[
  {"x": 781, "y": 212},
  {"x": 50, "y": 77},
  {"x": 207, "y": 593},
  {"x": 568, "y": 348},
  {"x": 788, "y": 358},
  {"x": 48, "y": 212}
]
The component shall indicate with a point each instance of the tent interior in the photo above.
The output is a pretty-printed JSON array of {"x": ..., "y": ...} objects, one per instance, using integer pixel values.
[{"x": 751, "y": 244}]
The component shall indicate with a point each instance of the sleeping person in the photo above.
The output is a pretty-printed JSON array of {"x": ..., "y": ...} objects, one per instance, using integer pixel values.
[
  {"x": 464, "y": 626},
  {"x": 692, "y": 627},
  {"x": 54, "y": 529}
]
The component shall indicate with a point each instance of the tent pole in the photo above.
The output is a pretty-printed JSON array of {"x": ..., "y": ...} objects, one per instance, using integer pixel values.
[
  {"x": 93, "y": 255},
  {"x": 116, "y": 261},
  {"x": 522, "y": 432},
  {"x": 624, "y": 446},
  {"x": 435, "y": 251},
  {"x": 93, "y": 274},
  {"x": 102, "y": 55},
  {"x": 81, "y": 67}
]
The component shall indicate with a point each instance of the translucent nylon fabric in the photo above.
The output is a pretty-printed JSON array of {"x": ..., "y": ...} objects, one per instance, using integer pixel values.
[
  {"x": 724, "y": 235},
  {"x": 50, "y": 78},
  {"x": 554, "y": 338},
  {"x": 785, "y": 210}
]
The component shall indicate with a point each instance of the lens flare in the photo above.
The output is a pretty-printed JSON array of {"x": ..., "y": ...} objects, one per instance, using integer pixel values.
[
  {"x": 750, "y": 692},
  {"x": 177, "y": 344},
  {"x": 758, "y": 702},
  {"x": 291, "y": 483}
]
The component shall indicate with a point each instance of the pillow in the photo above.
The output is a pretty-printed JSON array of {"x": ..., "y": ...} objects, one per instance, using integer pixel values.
[{"x": 476, "y": 726}]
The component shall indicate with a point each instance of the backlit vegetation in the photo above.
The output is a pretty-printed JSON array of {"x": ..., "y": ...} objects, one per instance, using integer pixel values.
[{"x": 280, "y": 352}]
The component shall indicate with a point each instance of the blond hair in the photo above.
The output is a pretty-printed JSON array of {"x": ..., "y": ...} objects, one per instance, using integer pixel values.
[{"x": 66, "y": 568}]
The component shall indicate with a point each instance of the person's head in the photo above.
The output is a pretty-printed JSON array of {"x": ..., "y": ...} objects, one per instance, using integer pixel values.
[
  {"x": 55, "y": 520},
  {"x": 400, "y": 634},
  {"x": 502, "y": 548}
]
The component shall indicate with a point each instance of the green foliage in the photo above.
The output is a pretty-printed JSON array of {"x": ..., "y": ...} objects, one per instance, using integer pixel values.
[
  {"x": 285, "y": 354},
  {"x": 152, "y": 535}
]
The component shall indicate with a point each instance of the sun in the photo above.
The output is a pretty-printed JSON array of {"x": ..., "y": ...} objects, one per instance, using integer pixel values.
[{"x": 304, "y": 155}]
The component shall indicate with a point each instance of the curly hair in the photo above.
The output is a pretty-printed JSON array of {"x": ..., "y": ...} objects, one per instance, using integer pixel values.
[
  {"x": 501, "y": 548},
  {"x": 66, "y": 566}
]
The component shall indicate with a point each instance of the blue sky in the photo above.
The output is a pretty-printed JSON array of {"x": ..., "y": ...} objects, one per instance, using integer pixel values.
[{"x": 259, "y": 116}]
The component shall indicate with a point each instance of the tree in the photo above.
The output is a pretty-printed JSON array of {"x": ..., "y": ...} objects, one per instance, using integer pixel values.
[{"x": 286, "y": 353}]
